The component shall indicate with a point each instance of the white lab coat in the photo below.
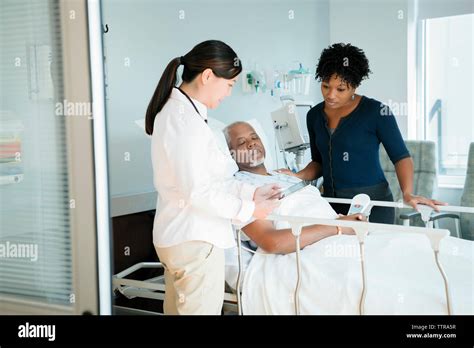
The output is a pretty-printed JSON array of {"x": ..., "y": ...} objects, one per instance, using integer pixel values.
[{"x": 197, "y": 194}]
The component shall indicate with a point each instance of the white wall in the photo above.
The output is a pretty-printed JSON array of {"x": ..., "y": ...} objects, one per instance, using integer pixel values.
[
  {"x": 150, "y": 34},
  {"x": 443, "y": 8},
  {"x": 380, "y": 29}
]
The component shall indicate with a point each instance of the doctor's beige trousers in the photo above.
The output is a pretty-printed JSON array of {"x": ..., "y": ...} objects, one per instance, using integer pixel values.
[{"x": 194, "y": 278}]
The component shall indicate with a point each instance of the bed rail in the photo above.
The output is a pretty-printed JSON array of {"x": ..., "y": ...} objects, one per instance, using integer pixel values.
[
  {"x": 154, "y": 288},
  {"x": 361, "y": 229}
]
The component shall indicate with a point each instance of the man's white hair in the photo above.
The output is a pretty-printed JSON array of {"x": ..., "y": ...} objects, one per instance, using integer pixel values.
[{"x": 227, "y": 129}]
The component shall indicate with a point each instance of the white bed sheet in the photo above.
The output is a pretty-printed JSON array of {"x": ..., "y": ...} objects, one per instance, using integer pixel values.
[{"x": 402, "y": 277}]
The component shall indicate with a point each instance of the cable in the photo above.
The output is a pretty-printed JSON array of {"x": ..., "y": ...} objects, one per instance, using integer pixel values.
[
  {"x": 255, "y": 251},
  {"x": 283, "y": 150}
]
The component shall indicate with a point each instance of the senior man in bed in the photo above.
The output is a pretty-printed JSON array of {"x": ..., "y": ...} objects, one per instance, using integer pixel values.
[
  {"x": 403, "y": 277},
  {"x": 248, "y": 151},
  {"x": 271, "y": 237}
]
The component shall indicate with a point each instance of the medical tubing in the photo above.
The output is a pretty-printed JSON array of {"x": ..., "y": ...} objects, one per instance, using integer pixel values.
[
  {"x": 298, "y": 272},
  {"x": 283, "y": 150},
  {"x": 256, "y": 252},
  {"x": 239, "y": 254},
  {"x": 445, "y": 279},
  {"x": 239, "y": 275},
  {"x": 276, "y": 154},
  {"x": 364, "y": 290}
]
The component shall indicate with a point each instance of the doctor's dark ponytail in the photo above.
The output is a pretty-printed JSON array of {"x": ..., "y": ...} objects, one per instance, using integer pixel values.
[{"x": 212, "y": 54}]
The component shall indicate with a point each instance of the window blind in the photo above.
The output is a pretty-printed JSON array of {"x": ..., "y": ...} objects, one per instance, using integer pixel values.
[{"x": 35, "y": 207}]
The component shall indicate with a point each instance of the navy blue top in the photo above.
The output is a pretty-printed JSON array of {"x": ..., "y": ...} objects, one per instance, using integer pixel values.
[{"x": 350, "y": 156}]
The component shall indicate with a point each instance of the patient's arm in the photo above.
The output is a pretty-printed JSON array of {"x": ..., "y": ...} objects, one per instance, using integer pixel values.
[{"x": 282, "y": 241}]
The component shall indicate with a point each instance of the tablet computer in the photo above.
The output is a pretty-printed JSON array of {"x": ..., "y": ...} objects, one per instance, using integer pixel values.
[{"x": 292, "y": 189}]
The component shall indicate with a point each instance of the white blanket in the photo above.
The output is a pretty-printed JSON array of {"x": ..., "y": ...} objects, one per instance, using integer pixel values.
[
  {"x": 402, "y": 277},
  {"x": 306, "y": 202}
]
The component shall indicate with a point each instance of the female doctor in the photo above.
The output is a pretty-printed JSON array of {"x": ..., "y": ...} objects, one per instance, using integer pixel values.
[{"x": 198, "y": 198}]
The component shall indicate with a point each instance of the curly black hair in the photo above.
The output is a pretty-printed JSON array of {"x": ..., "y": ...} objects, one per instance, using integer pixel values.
[{"x": 348, "y": 62}]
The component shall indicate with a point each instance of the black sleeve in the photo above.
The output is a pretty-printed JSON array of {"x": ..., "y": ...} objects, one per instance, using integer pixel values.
[
  {"x": 390, "y": 136},
  {"x": 315, "y": 154}
]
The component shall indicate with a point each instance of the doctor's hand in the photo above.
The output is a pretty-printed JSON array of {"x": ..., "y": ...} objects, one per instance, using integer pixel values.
[
  {"x": 265, "y": 208},
  {"x": 270, "y": 191},
  {"x": 413, "y": 200}
]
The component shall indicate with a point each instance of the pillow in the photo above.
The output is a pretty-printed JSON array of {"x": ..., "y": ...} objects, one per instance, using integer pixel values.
[{"x": 217, "y": 126}]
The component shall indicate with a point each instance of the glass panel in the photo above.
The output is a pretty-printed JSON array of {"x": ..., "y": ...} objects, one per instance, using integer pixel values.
[
  {"x": 449, "y": 115},
  {"x": 35, "y": 241}
]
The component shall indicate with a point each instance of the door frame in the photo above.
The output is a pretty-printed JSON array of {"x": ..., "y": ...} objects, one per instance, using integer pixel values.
[{"x": 81, "y": 39}]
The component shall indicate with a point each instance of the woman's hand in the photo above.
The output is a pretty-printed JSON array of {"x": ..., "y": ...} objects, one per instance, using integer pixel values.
[
  {"x": 353, "y": 217},
  {"x": 413, "y": 200},
  {"x": 264, "y": 208},
  {"x": 270, "y": 191}
]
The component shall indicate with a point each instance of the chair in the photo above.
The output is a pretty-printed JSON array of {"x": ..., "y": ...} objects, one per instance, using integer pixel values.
[
  {"x": 464, "y": 221},
  {"x": 423, "y": 154},
  {"x": 467, "y": 198}
]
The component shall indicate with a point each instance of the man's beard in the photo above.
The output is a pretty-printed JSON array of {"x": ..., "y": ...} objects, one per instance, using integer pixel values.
[
  {"x": 256, "y": 163},
  {"x": 248, "y": 158}
]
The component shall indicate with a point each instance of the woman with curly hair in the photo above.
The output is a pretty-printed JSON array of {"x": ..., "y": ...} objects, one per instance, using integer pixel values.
[{"x": 345, "y": 132}]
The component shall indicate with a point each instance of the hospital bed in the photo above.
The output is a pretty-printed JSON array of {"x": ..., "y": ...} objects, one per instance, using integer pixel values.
[{"x": 154, "y": 288}]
